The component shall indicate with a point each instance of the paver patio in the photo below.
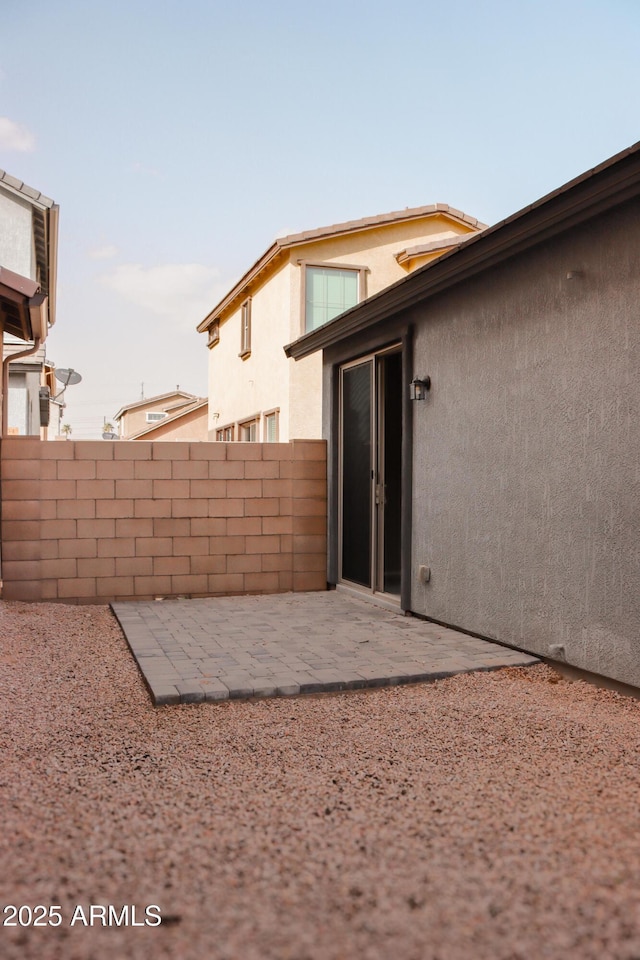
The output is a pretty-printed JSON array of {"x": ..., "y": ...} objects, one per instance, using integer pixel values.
[{"x": 287, "y": 644}]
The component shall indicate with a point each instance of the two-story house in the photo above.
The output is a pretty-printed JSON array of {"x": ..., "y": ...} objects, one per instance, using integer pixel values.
[
  {"x": 176, "y": 415},
  {"x": 300, "y": 283}
]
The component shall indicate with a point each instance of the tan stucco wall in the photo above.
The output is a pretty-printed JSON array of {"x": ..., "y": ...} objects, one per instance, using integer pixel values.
[
  {"x": 135, "y": 420},
  {"x": 241, "y": 389},
  {"x": 191, "y": 426}
]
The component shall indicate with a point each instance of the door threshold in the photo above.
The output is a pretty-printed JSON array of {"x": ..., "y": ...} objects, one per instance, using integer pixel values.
[{"x": 379, "y": 599}]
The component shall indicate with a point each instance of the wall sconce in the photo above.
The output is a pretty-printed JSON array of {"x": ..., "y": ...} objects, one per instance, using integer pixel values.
[{"x": 419, "y": 388}]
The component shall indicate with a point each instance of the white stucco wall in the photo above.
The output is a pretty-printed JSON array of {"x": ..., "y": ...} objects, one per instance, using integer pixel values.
[
  {"x": 16, "y": 235},
  {"x": 243, "y": 388}
]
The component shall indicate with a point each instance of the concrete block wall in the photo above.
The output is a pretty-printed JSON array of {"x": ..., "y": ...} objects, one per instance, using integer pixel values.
[{"x": 95, "y": 521}]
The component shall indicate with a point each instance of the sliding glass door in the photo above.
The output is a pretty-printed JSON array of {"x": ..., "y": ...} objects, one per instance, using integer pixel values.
[{"x": 370, "y": 472}]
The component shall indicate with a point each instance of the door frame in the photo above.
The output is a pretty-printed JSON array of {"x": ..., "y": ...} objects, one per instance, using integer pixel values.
[{"x": 377, "y": 427}]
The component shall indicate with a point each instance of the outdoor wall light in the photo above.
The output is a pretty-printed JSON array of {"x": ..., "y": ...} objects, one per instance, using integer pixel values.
[{"x": 419, "y": 388}]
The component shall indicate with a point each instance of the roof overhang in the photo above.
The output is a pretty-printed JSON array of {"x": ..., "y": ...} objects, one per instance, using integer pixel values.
[
  {"x": 137, "y": 404},
  {"x": 23, "y": 306},
  {"x": 45, "y": 218},
  {"x": 161, "y": 424},
  {"x": 606, "y": 186},
  {"x": 283, "y": 244}
]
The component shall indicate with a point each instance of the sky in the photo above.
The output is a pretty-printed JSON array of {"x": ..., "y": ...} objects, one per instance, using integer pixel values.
[{"x": 180, "y": 138}]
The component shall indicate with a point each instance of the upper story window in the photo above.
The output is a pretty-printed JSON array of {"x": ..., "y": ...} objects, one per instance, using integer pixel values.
[
  {"x": 153, "y": 416},
  {"x": 214, "y": 334},
  {"x": 329, "y": 291},
  {"x": 245, "y": 329}
]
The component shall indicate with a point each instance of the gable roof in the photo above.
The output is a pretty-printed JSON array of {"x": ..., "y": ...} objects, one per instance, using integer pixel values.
[
  {"x": 599, "y": 189},
  {"x": 188, "y": 397},
  {"x": 196, "y": 404},
  {"x": 433, "y": 246},
  {"x": 282, "y": 244}
]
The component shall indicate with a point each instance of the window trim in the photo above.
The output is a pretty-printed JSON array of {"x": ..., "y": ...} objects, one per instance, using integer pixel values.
[
  {"x": 361, "y": 270},
  {"x": 214, "y": 334},
  {"x": 245, "y": 329},
  {"x": 247, "y": 422},
  {"x": 220, "y": 430},
  {"x": 265, "y": 416}
]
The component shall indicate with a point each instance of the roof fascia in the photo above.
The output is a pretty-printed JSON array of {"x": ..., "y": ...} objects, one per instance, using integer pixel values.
[
  {"x": 327, "y": 233},
  {"x": 161, "y": 396},
  {"x": 595, "y": 191},
  {"x": 242, "y": 283},
  {"x": 163, "y": 423}
]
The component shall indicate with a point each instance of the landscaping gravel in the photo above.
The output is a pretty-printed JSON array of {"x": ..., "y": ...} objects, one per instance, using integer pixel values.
[{"x": 490, "y": 815}]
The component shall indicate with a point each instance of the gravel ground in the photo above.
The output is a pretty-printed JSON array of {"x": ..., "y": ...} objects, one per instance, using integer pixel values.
[{"x": 485, "y": 816}]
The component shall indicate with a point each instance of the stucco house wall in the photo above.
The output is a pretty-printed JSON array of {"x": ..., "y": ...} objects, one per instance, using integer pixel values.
[
  {"x": 240, "y": 389},
  {"x": 243, "y": 388},
  {"x": 191, "y": 426},
  {"x": 17, "y": 252},
  {"x": 132, "y": 418},
  {"x": 520, "y": 469},
  {"x": 526, "y": 454}
]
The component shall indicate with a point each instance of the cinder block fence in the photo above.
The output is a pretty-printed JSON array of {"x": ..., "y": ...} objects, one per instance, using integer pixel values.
[{"x": 86, "y": 521}]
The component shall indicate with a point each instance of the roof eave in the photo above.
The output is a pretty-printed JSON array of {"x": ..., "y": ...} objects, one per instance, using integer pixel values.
[
  {"x": 335, "y": 230},
  {"x": 595, "y": 191},
  {"x": 163, "y": 423},
  {"x": 161, "y": 396}
]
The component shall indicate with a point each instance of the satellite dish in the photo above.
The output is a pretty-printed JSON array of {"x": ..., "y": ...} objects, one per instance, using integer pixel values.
[{"x": 67, "y": 376}]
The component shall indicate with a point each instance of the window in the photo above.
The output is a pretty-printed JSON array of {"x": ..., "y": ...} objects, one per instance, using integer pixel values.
[
  {"x": 214, "y": 334},
  {"x": 225, "y": 434},
  {"x": 249, "y": 431},
  {"x": 153, "y": 416},
  {"x": 245, "y": 329},
  {"x": 270, "y": 434},
  {"x": 329, "y": 291}
]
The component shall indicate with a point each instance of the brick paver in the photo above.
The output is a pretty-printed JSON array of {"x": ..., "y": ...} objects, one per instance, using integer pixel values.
[{"x": 285, "y": 644}]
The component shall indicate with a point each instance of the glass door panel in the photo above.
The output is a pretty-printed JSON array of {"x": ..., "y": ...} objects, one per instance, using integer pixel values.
[{"x": 356, "y": 473}]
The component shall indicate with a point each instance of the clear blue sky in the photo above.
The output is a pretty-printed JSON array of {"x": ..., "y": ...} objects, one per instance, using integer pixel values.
[{"x": 180, "y": 138}]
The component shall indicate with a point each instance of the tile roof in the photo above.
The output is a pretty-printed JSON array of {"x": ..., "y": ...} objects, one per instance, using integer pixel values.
[
  {"x": 334, "y": 230},
  {"x": 6, "y": 180}
]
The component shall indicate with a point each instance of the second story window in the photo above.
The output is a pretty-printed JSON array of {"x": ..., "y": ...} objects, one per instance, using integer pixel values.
[
  {"x": 245, "y": 328},
  {"x": 329, "y": 291},
  {"x": 214, "y": 334}
]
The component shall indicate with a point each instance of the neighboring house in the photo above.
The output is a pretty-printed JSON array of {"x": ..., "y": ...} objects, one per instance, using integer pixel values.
[
  {"x": 28, "y": 267},
  {"x": 506, "y": 503},
  {"x": 31, "y": 409},
  {"x": 300, "y": 283},
  {"x": 169, "y": 416}
]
